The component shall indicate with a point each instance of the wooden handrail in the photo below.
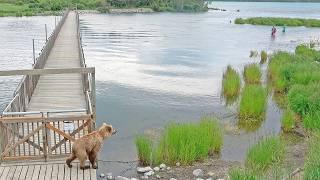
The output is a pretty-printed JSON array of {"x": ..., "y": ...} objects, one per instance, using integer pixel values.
[{"x": 47, "y": 71}]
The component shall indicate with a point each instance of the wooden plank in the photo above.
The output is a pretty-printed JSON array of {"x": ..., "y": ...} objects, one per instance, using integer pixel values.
[
  {"x": 79, "y": 70},
  {"x": 29, "y": 172},
  {"x": 4, "y": 173},
  {"x": 36, "y": 172},
  {"x": 49, "y": 171},
  {"x": 74, "y": 172},
  {"x": 23, "y": 174},
  {"x": 61, "y": 173},
  {"x": 17, "y": 173},
  {"x": 42, "y": 173},
  {"x": 11, "y": 172},
  {"x": 1, "y": 170},
  {"x": 93, "y": 174},
  {"x": 67, "y": 172}
]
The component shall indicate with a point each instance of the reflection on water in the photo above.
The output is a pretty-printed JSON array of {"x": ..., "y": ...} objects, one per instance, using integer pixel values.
[{"x": 161, "y": 67}]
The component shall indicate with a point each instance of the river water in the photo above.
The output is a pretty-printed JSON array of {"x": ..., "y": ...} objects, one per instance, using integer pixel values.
[{"x": 155, "y": 68}]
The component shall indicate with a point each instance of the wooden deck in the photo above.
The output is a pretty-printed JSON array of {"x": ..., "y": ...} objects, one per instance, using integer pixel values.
[{"x": 54, "y": 170}]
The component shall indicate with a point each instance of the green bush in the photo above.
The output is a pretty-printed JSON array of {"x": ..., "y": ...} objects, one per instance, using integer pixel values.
[
  {"x": 288, "y": 121},
  {"x": 253, "y": 103},
  {"x": 264, "y": 57},
  {"x": 279, "y": 21},
  {"x": 231, "y": 83},
  {"x": 312, "y": 162},
  {"x": 307, "y": 52},
  {"x": 184, "y": 143},
  {"x": 266, "y": 153},
  {"x": 252, "y": 74},
  {"x": 144, "y": 148}
]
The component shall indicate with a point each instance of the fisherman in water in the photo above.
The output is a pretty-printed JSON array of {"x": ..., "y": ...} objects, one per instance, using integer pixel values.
[{"x": 273, "y": 31}]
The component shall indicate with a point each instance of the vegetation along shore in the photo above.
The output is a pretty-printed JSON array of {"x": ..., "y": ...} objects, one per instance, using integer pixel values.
[
  {"x": 279, "y": 21},
  {"x": 53, "y": 7}
]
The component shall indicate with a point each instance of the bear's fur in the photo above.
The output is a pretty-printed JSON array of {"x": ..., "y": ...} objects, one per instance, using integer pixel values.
[{"x": 89, "y": 146}]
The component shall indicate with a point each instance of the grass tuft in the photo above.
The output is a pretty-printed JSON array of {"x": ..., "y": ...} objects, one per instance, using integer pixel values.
[
  {"x": 252, "y": 74},
  {"x": 266, "y": 153},
  {"x": 184, "y": 143},
  {"x": 144, "y": 148},
  {"x": 264, "y": 57},
  {"x": 241, "y": 174},
  {"x": 287, "y": 121},
  {"x": 231, "y": 83},
  {"x": 253, "y": 103}
]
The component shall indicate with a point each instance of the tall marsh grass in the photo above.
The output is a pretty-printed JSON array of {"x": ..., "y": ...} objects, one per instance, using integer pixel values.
[
  {"x": 288, "y": 120},
  {"x": 252, "y": 74},
  {"x": 184, "y": 143},
  {"x": 253, "y": 103},
  {"x": 279, "y": 21},
  {"x": 266, "y": 153},
  {"x": 263, "y": 57},
  {"x": 144, "y": 148},
  {"x": 231, "y": 83},
  {"x": 312, "y": 162}
]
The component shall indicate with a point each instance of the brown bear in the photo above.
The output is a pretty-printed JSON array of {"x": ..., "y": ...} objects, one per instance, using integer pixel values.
[{"x": 89, "y": 146}]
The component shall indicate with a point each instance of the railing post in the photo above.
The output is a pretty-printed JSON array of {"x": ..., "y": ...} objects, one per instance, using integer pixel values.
[
  {"x": 34, "y": 52},
  {"x": 44, "y": 138},
  {"x": 45, "y": 26},
  {"x": 93, "y": 94}
]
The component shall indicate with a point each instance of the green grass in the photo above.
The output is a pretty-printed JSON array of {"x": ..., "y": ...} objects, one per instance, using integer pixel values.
[
  {"x": 304, "y": 99},
  {"x": 252, "y": 74},
  {"x": 231, "y": 83},
  {"x": 253, "y": 103},
  {"x": 263, "y": 57},
  {"x": 312, "y": 162},
  {"x": 287, "y": 121},
  {"x": 279, "y": 21},
  {"x": 265, "y": 154},
  {"x": 184, "y": 143},
  {"x": 312, "y": 120},
  {"x": 144, "y": 148},
  {"x": 241, "y": 174}
]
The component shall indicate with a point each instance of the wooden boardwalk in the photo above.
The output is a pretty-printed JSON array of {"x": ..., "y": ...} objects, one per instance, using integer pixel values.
[
  {"x": 53, "y": 105},
  {"x": 54, "y": 170},
  {"x": 56, "y": 92}
]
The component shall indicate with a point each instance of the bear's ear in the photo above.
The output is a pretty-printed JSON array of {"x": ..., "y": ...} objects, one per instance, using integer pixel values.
[
  {"x": 104, "y": 124},
  {"x": 109, "y": 129}
]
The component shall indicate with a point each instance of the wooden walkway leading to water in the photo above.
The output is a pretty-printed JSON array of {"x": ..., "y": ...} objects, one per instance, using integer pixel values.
[{"x": 53, "y": 105}]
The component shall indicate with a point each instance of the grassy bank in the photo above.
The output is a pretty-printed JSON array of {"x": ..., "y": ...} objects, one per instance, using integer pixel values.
[
  {"x": 262, "y": 157},
  {"x": 184, "y": 143},
  {"x": 277, "y": 21},
  {"x": 297, "y": 76},
  {"x": 231, "y": 84},
  {"x": 34, "y": 7}
]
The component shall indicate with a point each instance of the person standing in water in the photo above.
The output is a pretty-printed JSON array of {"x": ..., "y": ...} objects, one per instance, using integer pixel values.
[
  {"x": 284, "y": 29},
  {"x": 273, "y": 31}
]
